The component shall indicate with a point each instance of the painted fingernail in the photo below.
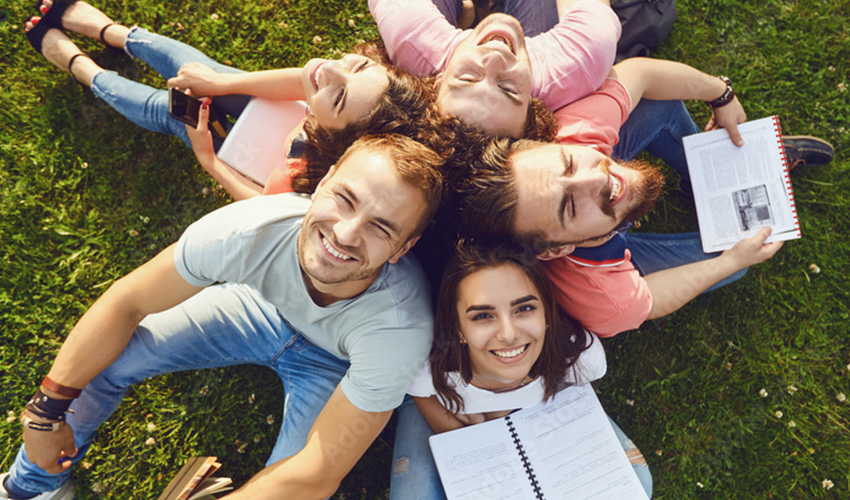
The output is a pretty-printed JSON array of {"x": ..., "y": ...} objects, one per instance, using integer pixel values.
[
  {"x": 43, "y": 9},
  {"x": 35, "y": 21},
  {"x": 205, "y": 106}
]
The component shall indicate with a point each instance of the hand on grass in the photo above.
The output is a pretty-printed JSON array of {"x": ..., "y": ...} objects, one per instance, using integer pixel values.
[
  {"x": 46, "y": 449},
  {"x": 199, "y": 78},
  {"x": 728, "y": 117},
  {"x": 754, "y": 250}
]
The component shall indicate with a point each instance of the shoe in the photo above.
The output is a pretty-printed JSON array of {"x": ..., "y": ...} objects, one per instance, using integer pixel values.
[
  {"x": 57, "y": 11},
  {"x": 66, "y": 492},
  {"x": 807, "y": 151}
]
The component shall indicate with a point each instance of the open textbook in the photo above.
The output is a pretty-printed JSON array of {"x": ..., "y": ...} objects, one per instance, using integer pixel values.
[
  {"x": 564, "y": 448},
  {"x": 256, "y": 144},
  {"x": 738, "y": 191},
  {"x": 194, "y": 482}
]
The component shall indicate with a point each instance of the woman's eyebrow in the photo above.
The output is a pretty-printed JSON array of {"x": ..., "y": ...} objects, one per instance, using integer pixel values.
[{"x": 522, "y": 300}]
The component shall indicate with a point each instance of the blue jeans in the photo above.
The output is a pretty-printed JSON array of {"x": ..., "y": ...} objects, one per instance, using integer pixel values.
[
  {"x": 658, "y": 127},
  {"x": 415, "y": 475},
  {"x": 224, "y": 325},
  {"x": 146, "y": 106},
  {"x": 535, "y": 16}
]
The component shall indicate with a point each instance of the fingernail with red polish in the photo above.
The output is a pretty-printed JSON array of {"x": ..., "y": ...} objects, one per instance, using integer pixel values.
[
  {"x": 43, "y": 9},
  {"x": 35, "y": 20}
]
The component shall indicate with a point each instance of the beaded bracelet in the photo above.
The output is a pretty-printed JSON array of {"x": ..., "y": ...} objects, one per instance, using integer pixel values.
[{"x": 727, "y": 96}]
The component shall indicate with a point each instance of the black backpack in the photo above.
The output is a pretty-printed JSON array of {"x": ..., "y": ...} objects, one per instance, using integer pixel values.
[{"x": 645, "y": 24}]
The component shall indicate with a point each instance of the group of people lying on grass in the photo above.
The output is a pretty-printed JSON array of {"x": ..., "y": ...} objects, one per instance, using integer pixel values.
[{"x": 519, "y": 146}]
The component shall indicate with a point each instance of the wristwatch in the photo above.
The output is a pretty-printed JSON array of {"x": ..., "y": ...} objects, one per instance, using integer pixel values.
[{"x": 727, "y": 96}]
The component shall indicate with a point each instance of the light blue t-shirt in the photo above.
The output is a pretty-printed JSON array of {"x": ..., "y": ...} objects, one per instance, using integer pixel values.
[{"x": 385, "y": 332}]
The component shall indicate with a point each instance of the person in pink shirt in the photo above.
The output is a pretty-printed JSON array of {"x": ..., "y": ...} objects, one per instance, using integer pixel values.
[{"x": 488, "y": 76}]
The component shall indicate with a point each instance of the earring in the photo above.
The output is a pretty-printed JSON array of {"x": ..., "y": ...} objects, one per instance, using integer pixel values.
[{"x": 462, "y": 341}]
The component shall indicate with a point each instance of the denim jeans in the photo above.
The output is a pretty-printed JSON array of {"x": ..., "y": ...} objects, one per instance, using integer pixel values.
[
  {"x": 415, "y": 475},
  {"x": 535, "y": 16},
  {"x": 146, "y": 106},
  {"x": 223, "y": 325},
  {"x": 658, "y": 127}
]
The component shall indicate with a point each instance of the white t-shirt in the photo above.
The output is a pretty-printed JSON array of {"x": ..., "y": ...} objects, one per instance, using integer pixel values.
[
  {"x": 385, "y": 332},
  {"x": 590, "y": 366}
]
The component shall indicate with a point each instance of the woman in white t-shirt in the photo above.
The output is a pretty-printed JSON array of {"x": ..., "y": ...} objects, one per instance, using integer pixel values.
[{"x": 500, "y": 343}]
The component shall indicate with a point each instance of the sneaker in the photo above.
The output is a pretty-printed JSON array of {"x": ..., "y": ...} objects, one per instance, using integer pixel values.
[
  {"x": 807, "y": 151},
  {"x": 66, "y": 492}
]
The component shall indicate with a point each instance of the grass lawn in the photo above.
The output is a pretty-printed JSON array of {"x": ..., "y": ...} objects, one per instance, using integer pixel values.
[{"x": 738, "y": 395}]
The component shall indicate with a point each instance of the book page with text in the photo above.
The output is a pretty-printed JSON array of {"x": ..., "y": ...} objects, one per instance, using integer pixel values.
[
  {"x": 574, "y": 450},
  {"x": 480, "y": 462},
  {"x": 739, "y": 190}
]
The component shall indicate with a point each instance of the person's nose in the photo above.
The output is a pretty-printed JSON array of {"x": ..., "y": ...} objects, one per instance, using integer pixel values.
[
  {"x": 590, "y": 183},
  {"x": 493, "y": 63},
  {"x": 347, "y": 231},
  {"x": 334, "y": 73},
  {"x": 508, "y": 331}
]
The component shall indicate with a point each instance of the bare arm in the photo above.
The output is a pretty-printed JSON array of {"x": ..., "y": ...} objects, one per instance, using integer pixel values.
[
  {"x": 672, "y": 288},
  {"x": 237, "y": 185},
  {"x": 668, "y": 80},
  {"x": 338, "y": 438},
  {"x": 438, "y": 417},
  {"x": 100, "y": 336},
  {"x": 277, "y": 84}
]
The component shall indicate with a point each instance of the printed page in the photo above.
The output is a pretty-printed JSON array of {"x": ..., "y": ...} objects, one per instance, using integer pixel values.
[
  {"x": 480, "y": 462},
  {"x": 738, "y": 191},
  {"x": 574, "y": 450}
]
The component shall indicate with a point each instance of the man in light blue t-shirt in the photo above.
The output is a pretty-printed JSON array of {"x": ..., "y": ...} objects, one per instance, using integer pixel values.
[{"x": 318, "y": 289}]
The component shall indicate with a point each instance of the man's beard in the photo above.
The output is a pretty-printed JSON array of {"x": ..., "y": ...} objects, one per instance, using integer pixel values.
[{"x": 648, "y": 191}]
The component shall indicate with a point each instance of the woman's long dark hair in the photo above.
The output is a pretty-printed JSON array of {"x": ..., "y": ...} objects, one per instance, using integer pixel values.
[
  {"x": 564, "y": 339},
  {"x": 406, "y": 108}
]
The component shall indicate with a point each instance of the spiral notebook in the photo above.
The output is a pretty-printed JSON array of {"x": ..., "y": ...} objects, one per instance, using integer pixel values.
[
  {"x": 739, "y": 190},
  {"x": 564, "y": 448}
]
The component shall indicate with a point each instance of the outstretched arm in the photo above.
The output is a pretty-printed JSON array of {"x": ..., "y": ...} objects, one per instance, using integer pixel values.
[
  {"x": 100, "y": 336},
  {"x": 563, "y": 5},
  {"x": 668, "y": 80},
  {"x": 338, "y": 438},
  {"x": 672, "y": 288},
  {"x": 276, "y": 84}
]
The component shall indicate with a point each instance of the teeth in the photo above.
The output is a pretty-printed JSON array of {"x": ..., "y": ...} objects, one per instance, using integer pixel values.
[
  {"x": 500, "y": 39},
  {"x": 510, "y": 354},
  {"x": 334, "y": 252},
  {"x": 615, "y": 188}
]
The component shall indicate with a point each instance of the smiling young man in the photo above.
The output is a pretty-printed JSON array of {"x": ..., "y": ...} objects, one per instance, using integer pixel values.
[
  {"x": 318, "y": 290},
  {"x": 569, "y": 201},
  {"x": 489, "y": 75}
]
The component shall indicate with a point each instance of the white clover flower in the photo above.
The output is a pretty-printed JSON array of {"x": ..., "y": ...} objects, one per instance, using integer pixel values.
[
  {"x": 214, "y": 16},
  {"x": 317, "y": 39},
  {"x": 778, "y": 414},
  {"x": 85, "y": 164},
  {"x": 351, "y": 22},
  {"x": 763, "y": 393},
  {"x": 270, "y": 419},
  {"x": 242, "y": 448},
  {"x": 700, "y": 484},
  {"x": 659, "y": 452},
  {"x": 11, "y": 417},
  {"x": 133, "y": 233},
  {"x": 151, "y": 426},
  {"x": 841, "y": 87},
  {"x": 827, "y": 484},
  {"x": 792, "y": 389},
  {"x": 728, "y": 366},
  {"x": 814, "y": 268},
  {"x": 204, "y": 390},
  {"x": 150, "y": 441},
  {"x": 791, "y": 424},
  {"x": 832, "y": 69},
  {"x": 251, "y": 399},
  {"x": 841, "y": 397},
  {"x": 258, "y": 438},
  {"x": 630, "y": 402}
]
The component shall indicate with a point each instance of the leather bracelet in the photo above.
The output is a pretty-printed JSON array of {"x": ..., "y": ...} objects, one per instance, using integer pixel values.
[
  {"x": 727, "y": 96},
  {"x": 49, "y": 408},
  {"x": 40, "y": 426},
  {"x": 68, "y": 392}
]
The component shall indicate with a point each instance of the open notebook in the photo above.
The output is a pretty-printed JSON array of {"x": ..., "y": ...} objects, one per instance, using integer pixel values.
[{"x": 256, "y": 144}]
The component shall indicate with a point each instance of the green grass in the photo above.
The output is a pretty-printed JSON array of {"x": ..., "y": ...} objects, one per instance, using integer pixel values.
[{"x": 85, "y": 197}]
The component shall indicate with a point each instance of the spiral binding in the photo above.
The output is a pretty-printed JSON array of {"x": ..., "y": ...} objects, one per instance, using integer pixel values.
[
  {"x": 529, "y": 470},
  {"x": 788, "y": 188}
]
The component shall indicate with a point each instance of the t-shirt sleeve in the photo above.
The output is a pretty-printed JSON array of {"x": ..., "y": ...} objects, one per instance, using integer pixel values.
[
  {"x": 605, "y": 299},
  {"x": 422, "y": 385},
  {"x": 572, "y": 59},
  {"x": 383, "y": 364},
  {"x": 417, "y": 36},
  {"x": 229, "y": 245},
  {"x": 595, "y": 120}
]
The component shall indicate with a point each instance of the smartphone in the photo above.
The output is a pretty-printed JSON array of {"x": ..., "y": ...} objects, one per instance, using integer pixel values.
[{"x": 185, "y": 108}]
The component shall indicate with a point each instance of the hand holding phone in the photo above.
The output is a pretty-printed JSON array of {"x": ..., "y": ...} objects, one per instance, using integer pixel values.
[{"x": 185, "y": 108}]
